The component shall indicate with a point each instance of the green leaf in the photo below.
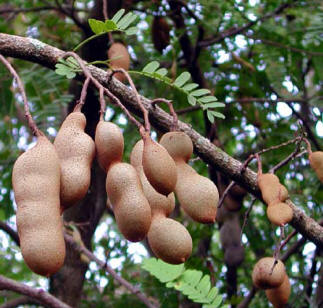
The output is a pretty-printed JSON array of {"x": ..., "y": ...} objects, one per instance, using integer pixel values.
[
  {"x": 118, "y": 15},
  {"x": 204, "y": 285},
  {"x": 191, "y": 100},
  {"x": 97, "y": 26},
  {"x": 210, "y": 116},
  {"x": 162, "y": 72},
  {"x": 208, "y": 99},
  {"x": 126, "y": 21},
  {"x": 151, "y": 67},
  {"x": 212, "y": 294},
  {"x": 164, "y": 272},
  {"x": 110, "y": 26},
  {"x": 212, "y": 105},
  {"x": 217, "y": 114},
  {"x": 200, "y": 92},
  {"x": 182, "y": 79},
  {"x": 189, "y": 87},
  {"x": 132, "y": 31}
]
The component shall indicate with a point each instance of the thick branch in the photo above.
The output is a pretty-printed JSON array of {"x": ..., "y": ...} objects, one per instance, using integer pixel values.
[
  {"x": 36, "y": 51},
  {"x": 38, "y": 294}
]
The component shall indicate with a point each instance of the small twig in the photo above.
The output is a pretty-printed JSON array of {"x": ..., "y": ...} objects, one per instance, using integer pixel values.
[
  {"x": 232, "y": 183},
  {"x": 174, "y": 126},
  {"x": 31, "y": 122},
  {"x": 309, "y": 147},
  {"x": 81, "y": 102},
  {"x": 143, "y": 109},
  {"x": 102, "y": 103},
  {"x": 99, "y": 86},
  {"x": 13, "y": 234},
  {"x": 38, "y": 294},
  {"x": 287, "y": 239},
  {"x": 259, "y": 164},
  {"x": 246, "y": 215},
  {"x": 110, "y": 270}
]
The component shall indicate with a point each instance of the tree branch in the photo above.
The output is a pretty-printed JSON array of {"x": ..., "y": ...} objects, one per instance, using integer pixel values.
[
  {"x": 22, "y": 300},
  {"x": 13, "y": 234},
  {"x": 38, "y": 52},
  {"x": 38, "y": 294},
  {"x": 110, "y": 270}
]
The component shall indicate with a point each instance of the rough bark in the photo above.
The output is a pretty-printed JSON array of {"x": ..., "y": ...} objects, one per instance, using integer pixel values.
[{"x": 36, "y": 51}]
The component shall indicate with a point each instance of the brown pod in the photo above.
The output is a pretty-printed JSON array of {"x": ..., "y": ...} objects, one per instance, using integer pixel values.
[
  {"x": 169, "y": 240},
  {"x": 76, "y": 151},
  {"x": 130, "y": 206},
  {"x": 283, "y": 193},
  {"x": 120, "y": 58},
  {"x": 264, "y": 277},
  {"x": 197, "y": 194},
  {"x": 109, "y": 144},
  {"x": 159, "y": 167},
  {"x": 270, "y": 187},
  {"x": 279, "y": 213},
  {"x": 316, "y": 162},
  {"x": 36, "y": 185},
  {"x": 279, "y": 296},
  {"x": 234, "y": 255},
  {"x": 230, "y": 232},
  {"x": 158, "y": 202},
  {"x": 160, "y": 33}
]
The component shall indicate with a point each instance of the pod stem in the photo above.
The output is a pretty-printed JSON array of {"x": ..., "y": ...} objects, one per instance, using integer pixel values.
[
  {"x": 259, "y": 164},
  {"x": 141, "y": 106},
  {"x": 81, "y": 101},
  {"x": 174, "y": 126},
  {"x": 309, "y": 147},
  {"x": 99, "y": 86},
  {"x": 31, "y": 123}
]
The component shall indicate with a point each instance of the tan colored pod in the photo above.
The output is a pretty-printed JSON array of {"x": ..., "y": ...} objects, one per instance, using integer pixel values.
[
  {"x": 197, "y": 194},
  {"x": 279, "y": 213},
  {"x": 169, "y": 240},
  {"x": 264, "y": 277},
  {"x": 36, "y": 185},
  {"x": 120, "y": 58},
  {"x": 76, "y": 151},
  {"x": 130, "y": 206},
  {"x": 109, "y": 144},
  {"x": 159, "y": 167},
  {"x": 230, "y": 232},
  {"x": 279, "y": 296},
  {"x": 283, "y": 193},
  {"x": 270, "y": 187},
  {"x": 316, "y": 162},
  {"x": 159, "y": 203}
]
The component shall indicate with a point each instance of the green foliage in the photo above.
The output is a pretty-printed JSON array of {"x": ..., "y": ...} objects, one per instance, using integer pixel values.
[
  {"x": 194, "y": 95},
  {"x": 191, "y": 283}
]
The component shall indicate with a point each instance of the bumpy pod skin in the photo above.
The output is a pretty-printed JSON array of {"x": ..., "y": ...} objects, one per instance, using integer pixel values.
[
  {"x": 159, "y": 167},
  {"x": 76, "y": 151},
  {"x": 264, "y": 278},
  {"x": 130, "y": 206},
  {"x": 270, "y": 187},
  {"x": 169, "y": 240},
  {"x": 197, "y": 195},
  {"x": 109, "y": 144},
  {"x": 279, "y": 213},
  {"x": 316, "y": 162},
  {"x": 158, "y": 203},
  {"x": 279, "y": 296},
  {"x": 120, "y": 58},
  {"x": 36, "y": 184}
]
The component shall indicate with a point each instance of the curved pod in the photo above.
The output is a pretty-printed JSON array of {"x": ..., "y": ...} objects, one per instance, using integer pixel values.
[
  {"x": 109, "y": 144},
  {"x": 279, "y": 296},
  {"x": 119, "y": 58},
  {"x": 76, "y": 151},
  {"x": 316, "y": 162},
  {"x": 130, "y": 206},
  {"x": 36, "y": 184}
]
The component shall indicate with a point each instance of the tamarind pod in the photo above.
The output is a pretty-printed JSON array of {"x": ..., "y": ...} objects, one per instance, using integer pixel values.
[
  {"x": 158, "y": 203},
  {"x": 76, "y": 151},
  {"x": 234, "y": 255},
  {"x": 270, "y": 187},
  {"x": 279, "y": 213},
  {"x": 159, "y": 167},
  {"x": 169, "y": 240},
  {"x": 264, "y": 276},
  {"x": 120, "y": 58},
  {"x": 109, "y": 144},
  {"x": 279, "y": 296},
  {"x": 316, "y": 162},
  {"x": 130, "y": 206},
  {"x": 36, "y": 185},
  {"x": 160, "y": 33}
]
